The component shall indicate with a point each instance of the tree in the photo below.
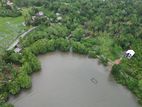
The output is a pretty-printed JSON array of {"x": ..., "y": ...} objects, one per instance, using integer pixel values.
[
  {"x": 14, "y": 87},
  {"x": 24, "y": 80},
  {"x": 62, "y": 44},
  {"x": 78, "y": 33},
  {"x": 6, "y": 105}
]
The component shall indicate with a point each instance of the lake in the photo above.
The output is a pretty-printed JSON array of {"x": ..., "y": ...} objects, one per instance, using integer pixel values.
[{"x": 71, "y": 80}]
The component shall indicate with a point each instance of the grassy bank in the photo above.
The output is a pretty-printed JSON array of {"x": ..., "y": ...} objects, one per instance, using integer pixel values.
[{"x": 10, "y": 29}]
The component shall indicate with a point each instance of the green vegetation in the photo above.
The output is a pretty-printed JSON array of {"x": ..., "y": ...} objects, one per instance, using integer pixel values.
[
  {"x": 103, "y": 29},
  {"x": 10, "y": 29},
  {"x": 9, "y": 9}
]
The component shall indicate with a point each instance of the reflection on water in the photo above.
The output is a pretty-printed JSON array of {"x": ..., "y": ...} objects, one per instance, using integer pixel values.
[{"x": 70, "y": 80}]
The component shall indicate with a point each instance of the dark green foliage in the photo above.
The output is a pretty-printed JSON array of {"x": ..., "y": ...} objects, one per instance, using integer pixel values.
[
  {"x": 42, "y": 46},
  {"x": 15, "y": 57},
  {"x": 140, "y": 84},
  {"x": 92, "y": 54},
  {"x": 13, "y": 87},
  {"x": 3, "y": 96},
  {"x": 24, "y": 80},
  {"x": 37, "y": 21},
  {"x": 7, "y": 10},
  {"x": 62, "y": 44},
  {"x": 77, "y": 47},
  {"x": 103, "y": 59},
  {"x": 26, "y": 68},
  {"x": 57, "y": 31},
  {"x": 6, "y": 105},
  {"x": 9, "y": 13},
  {"x": 78, "y": 33},
  {"x": 32, "y": 60}
]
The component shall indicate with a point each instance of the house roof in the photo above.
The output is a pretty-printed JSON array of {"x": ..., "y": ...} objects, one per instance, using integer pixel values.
[{"x": 132, "y": 52}]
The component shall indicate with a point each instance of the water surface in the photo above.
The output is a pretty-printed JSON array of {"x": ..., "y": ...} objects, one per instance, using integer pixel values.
[{"x": 70, "y": 80}]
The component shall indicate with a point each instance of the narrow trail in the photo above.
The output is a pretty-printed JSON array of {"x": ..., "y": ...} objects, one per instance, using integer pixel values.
[
  {"x": 18, "y": 39},
  {"x": 115, "y": 62}
]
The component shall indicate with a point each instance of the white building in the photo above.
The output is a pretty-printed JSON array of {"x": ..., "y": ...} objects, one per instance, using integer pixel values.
[{"x": 129, "y": 53}]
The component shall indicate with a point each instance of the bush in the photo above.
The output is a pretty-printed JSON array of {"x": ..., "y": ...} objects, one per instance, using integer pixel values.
[
  {"x": 42, "y": 46},
  {"x": 14, "y": 87},
  {"x": 78, "y": 33},
  {"x": 6, "y": 105},
  {"x": 62, "y": 44},
  {"x": 32, "y": 60},
  {"x": 103, "y": 60},
  {"x": 140, "y": 85},
  {"x": 37, "y": 21},
  {"x": 24, "y": 80},
  {"x": 92, "y": 54},
  {"x": 9, "y": 13},
  {"x": 26, "y": 68},
  {"x": 3, "y": 96},
  {"x": 77, "y": 47},
  {"x": 15, "y": 58}
]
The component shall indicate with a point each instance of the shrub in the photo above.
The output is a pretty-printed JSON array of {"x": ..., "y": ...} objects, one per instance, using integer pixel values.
[
  {"x": 6, "y": 105},
  {"x": 14, "y": 87},
  {"x": 62, "y": 44},
  {"x": 77, "y": 47},
  {"x": 9, "y": 12},
  {"x": 24, "y": 80},
  {"x": 103, "y": 60},
  {"x": 92, "y": 54}
]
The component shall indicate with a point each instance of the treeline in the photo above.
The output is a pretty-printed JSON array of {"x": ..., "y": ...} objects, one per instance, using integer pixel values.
[
  {"x": 9, "y": 13},
  {"x": 9, "y": 9},
  {"x": 15, "y": 73}
]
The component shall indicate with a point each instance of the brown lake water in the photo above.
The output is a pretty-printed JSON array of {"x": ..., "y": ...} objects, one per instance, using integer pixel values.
[{"x": 70, "y": 80}]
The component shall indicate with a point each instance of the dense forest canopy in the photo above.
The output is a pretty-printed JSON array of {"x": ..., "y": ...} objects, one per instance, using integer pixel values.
[{"x": 104, "y": 28}]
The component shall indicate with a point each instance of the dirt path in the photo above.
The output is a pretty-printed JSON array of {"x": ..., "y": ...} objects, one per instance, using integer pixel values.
[{"x": 18, "y": 39}]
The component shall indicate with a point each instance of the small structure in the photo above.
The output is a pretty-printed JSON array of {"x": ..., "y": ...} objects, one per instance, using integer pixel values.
[
  {"x": 129, "y": 53},
  {"x": 58, "y": 14},
  {"x": 59, "y": 18},
  {"x": 40, "y": 13},
  {"x": 17, "y": 50}
]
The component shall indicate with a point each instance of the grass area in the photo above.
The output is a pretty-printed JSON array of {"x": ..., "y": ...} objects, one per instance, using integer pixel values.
[
  {"x": 26, "y": 10},
  {"x": 10, "y": 28},
  {"x": 108, "y": 48}
]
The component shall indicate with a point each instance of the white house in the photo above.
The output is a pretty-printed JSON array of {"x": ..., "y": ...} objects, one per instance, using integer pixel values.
[{"x": 129, "y": 53}]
